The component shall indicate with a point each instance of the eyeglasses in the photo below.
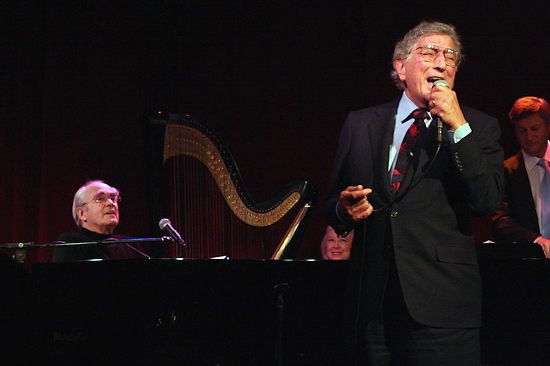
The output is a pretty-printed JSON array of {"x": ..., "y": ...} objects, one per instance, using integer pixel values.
[
  {"x": 102, "y": 200},
  {"x": 430, "y": 52}
]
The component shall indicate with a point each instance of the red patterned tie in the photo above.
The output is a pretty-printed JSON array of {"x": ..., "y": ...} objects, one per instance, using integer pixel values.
[{"x": 412, "y": 137}]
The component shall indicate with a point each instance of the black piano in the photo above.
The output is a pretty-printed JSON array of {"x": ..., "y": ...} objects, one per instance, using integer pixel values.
[
  {"x": 235, "y": 312},
  {"x": 189, "y": 312},
  {"x": 516, "y": 304}
]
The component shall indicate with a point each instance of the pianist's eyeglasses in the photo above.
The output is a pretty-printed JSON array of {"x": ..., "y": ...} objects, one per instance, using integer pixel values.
[{"x": 102, "y": 200}]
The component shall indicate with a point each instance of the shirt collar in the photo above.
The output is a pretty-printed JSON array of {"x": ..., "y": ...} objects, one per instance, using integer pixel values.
[
  {"x": 531, "y": 161},
  {"x": 405, "y": 108}
]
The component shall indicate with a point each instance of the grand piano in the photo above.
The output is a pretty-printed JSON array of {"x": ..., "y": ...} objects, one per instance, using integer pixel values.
[
  {"x": 189, "y": 312},
  {"x": 235, "y": 312},
  {"x": 516, "y": 304}
]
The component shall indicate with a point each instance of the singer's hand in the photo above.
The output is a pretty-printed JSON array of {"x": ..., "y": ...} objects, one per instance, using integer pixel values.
[
  {"x": 444, "y": 103},
  {"x": 354, "y": 204}
]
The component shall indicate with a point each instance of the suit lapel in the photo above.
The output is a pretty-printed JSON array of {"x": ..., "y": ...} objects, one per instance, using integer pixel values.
[
  {"x": 381, "y": 136},
  {"x": 525, "y": 186}
]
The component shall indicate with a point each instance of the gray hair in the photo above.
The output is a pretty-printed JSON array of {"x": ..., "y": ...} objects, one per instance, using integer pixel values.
[
  {"x": 79, "y": 199},
  {"x": 405, "y": 46}
]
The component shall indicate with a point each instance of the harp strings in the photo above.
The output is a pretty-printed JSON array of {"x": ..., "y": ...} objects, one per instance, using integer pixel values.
[
  {"x": 200, "y": 212},
  {"x": 207, "y": 223}
]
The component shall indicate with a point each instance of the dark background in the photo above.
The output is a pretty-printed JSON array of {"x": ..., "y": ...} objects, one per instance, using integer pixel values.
[{"x": 276, "y": 79}]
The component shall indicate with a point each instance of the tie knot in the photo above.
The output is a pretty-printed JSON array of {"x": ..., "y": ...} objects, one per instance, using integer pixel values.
[
  {"x": 543, "y": 163},
  {"x": 420, "y": 115}
]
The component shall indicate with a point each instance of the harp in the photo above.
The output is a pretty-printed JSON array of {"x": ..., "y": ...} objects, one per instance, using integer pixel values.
[{"x": 211, "y": 207}]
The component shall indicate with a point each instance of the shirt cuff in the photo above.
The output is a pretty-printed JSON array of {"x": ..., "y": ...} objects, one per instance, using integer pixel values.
[{"x": 458, "y": 134}]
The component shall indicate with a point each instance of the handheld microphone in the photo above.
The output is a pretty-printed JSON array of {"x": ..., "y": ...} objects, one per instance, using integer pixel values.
[
  {"x": 439, "y": 123},
  {"x": 441, "y": 82},
  {"x": 166, "y": 225}
]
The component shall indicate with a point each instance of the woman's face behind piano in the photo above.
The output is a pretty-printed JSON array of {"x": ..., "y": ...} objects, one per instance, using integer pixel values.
[{"x": 335, "y": 247}]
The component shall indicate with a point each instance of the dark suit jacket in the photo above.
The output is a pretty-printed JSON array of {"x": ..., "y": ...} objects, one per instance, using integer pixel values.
[
  {"x": 516, "y": 218},
  {"x": 86, "y": 252},
  {"x": 425, "y": 225}
]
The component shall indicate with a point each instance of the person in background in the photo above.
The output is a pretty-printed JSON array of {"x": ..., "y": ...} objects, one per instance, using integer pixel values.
[
  {"x": 519, "y": 217},
  {"x": 334, "y": 246},
  {"x": 406, "y": 176},
  {"x": 95, "y": 212}
]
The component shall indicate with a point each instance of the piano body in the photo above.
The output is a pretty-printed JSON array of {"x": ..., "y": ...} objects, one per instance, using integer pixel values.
[
  {"x": 189, "y": 312},
  {"x": 240, "y": 312}
]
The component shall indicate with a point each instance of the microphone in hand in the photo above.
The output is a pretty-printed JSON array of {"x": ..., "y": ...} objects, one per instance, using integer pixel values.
[{"x": 439, "y": 123}]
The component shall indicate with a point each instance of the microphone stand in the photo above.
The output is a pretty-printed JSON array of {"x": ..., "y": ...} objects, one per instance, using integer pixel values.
[{"x": 22, "y": 248}]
